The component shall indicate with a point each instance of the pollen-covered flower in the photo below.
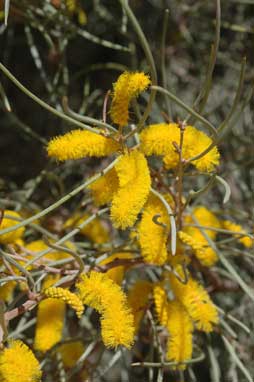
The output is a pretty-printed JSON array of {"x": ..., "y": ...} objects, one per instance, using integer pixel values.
[
  {"x": 101, "y": 293},
  {"x": 197, "y": 302},
  {"x": 71, "y": 352},
  {"x": 39, "y": 245},
  {"x": 104, "y": 188},
  {"x": 6, "y": 290},
  {"x": 128, "y": 86},
  {"x": 68, "y": 297},
  {"x": 18, "y": 363},
  {"x": 161, "y": 303},
  {"x": 153, "y": 237},
  {"x": 117, "y": 273},
  {"x": 94, "y": 230},
  {"x": 180, "y": 328},
  {"x": 134, "y": 185},
  {"x": 138, "y": 300},
  {"x": 50, "y": 320},
  {"x": 206, "y": 255},
  {"x": 78, "y": 144},
  {"x": 13, "y": 236},
  {"x": 159, "y": 139},
  {"x": 231, "y": 226}
]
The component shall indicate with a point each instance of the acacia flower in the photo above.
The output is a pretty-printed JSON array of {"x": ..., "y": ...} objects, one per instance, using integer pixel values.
[
  {"x": 71, "y": 352},
  {"x": 134, "y": 185},
  {"x": 231, "y": 226},
  {"x": 180, "y": 328},
  {"x": 13, "y": 236},
  {"x": 39, "y": 245},
  {"x": 78, "y": 144},
  {"x": 116, "y": 273},
  {"x": 153, "y": 237},
  {"x": 18, "y": 363},
  {"x": 128, "y": 86},
  {"x": 196, "y": 301},
  {"x": 205, "y": 254},
  {"x": 101, "y": 293},
  {"x": 104, "y": 188},
  {"x": 50, "y": 320},
  {"x": 94, "y": 230},
  {"x": 161, "y": 303},
  {"x": 159, "y": 139},
  {"x": 138, "y": 300},
  {"x": 68, "y": 297}
]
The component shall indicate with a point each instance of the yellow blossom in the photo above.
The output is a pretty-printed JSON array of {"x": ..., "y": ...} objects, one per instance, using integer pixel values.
[
  {"x": 128, "y": 86},
  {"x": 117, "y": 273},
  {"x": 94, "y": 230},
  {"x": 230, "y": 226},
  {"x": 39, "y": 245},
  {"x": 101, "y": 293},
  {"x": 180, "y": 328},
  {"x": 65, "y": 295},
  {"x": 134, "y": 185},
  {"x": 78, "y": 144},
  {"x": 196, "y": 301},
  {"x": 71, "y": 352},
  {"x": 138, "y": 300},
  {"x": 74, "y": 8},
  {"x": 6, "y": 290},
  {"x": 158, "y": 139},
  {"x": 18, "y": 363},
  {"x": 104, "y": 188},
  {"x": 13, "y": 236},
  {"x": 153, "y": 237},
  {"x": 161, "y": 303},
  {"x": 50, "y": 320},
  {"x": 206, "y": 255}
]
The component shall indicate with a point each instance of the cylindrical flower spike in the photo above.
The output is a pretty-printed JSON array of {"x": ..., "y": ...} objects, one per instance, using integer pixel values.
[
  {"x": 68, "y": 297},
  {"x": 101, "y": 293},
  {"x": 159, "y": 139},
  {"x": 153, "y": 237},
  {"x": 13, "y": 236},
  {"x": 134, "y": 185},
  {"x": 18, "y": 363},
  {"x": 78, "y": 144},
  {"x": 196, "y": 301},
  {"x": 50, "y": 320},
  {"x": 128, "y": 86},
  {"x": 104, "y": 188},
  {"x": 231, "y": 226},
  {"x": 138, "y": 300}
]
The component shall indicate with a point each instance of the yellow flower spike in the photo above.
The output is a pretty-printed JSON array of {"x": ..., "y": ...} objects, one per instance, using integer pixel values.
[
  {"x": 161, "y": 303},
  {"x": 197, "y": 302},
  {"x": 95, "y": 230},
  {"x": 180, "y": 328},
  {"x": 39, "y": 245},
  {"x": 205, "y": 218},
  {"x": 128, "y": 86},
  {"x": 6, "y": 290},
  {"x": 78, "y": 144},
  {"x": 11, "y": 237},
  {"x": 205, "y": 254},
  {"x": 18, "y": 363},
  {"x": 133, "y": 190},
  {"x": 68, "y": 297},
  {"x": 158, "y": 139},
  {"x": 245, "y": 240},
  {"x": 71, "y": 352},
  {"x": 138, "y": 299},
  {"x": 50, "y": 320},
  {"x": 104, "y": 188},
  {"x": 117, "y": 273},
  {"x": 153, "y": 237},
  {"x": 101, "y": 293}
]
